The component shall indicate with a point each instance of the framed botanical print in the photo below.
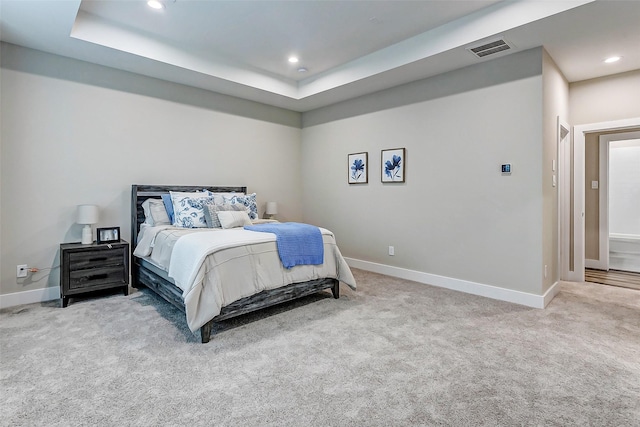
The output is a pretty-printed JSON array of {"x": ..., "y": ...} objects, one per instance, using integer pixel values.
[
  {"x": 358, "y": 167},
  {"x": 394, "y": 162}
]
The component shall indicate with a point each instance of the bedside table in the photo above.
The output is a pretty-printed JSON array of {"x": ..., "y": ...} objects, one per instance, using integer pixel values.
[{"x": 93, "y": 267}]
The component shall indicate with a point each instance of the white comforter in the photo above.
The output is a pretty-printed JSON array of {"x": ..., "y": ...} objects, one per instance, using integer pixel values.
[{"x": 216, "y": 267}]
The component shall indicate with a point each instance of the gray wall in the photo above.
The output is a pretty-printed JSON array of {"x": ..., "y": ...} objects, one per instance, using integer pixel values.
[
  {"x": 76, "y": 133},
  {"x": 605, "y": 99},
  {"x": 456, "y": 215}
]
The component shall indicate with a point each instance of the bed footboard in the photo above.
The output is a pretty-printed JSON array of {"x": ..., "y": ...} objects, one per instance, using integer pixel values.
[
  {"x": 172, "y": 294},
  {"x": 269, "y": 298}
]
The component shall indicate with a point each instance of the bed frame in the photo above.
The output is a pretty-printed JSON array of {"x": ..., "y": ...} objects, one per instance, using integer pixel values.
[{"x": 144, "y": 277}]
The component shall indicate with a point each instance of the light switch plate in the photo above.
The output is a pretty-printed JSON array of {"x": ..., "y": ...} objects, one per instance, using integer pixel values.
[{"x": 594, "y": 185}]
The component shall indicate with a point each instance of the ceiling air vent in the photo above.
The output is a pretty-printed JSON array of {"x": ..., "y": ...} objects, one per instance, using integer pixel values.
[{"x": 490, "y": 48}]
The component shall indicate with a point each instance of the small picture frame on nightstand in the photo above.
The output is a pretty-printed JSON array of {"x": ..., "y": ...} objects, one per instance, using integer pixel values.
[{"x": 108, "y": 235}]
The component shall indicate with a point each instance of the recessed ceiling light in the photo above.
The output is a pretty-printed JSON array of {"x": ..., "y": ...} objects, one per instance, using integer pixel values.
[
  {"x": 293, "y": 59},
  {"x": 302, "y": 70},
  {"x": 613, "y": 59},
  {"x": 155, "y": 4}
]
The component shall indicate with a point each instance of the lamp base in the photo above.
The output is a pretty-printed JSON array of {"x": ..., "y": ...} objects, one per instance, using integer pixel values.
[{"x": 87, "y": 235}]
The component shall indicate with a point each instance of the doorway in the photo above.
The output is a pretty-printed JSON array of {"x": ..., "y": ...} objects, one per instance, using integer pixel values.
[
  {"x": 577, "y": 273},
  {"x": 619, "y": 202}
]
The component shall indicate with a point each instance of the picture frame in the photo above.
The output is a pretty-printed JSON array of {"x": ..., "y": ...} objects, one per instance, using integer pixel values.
[
  {"x": 358, "y": 168},
  {"x": 393, "y": 165},
  {"x": 108, "y": 235}
]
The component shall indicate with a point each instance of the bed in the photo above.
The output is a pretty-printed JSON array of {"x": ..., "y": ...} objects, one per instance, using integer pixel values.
[{"x": 204, "y": 284}]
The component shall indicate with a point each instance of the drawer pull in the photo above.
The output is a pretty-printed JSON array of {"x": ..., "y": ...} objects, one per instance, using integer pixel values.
[{"x": 94, "y": 277}]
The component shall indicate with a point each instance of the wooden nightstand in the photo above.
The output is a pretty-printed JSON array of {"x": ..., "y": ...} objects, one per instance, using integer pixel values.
[{"x": 88, "y": 268}]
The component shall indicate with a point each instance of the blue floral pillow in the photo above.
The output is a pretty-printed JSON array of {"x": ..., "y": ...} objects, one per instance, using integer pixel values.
[
  {"x": 248, "y": 200},
  {"x": 188, "y": 209}
]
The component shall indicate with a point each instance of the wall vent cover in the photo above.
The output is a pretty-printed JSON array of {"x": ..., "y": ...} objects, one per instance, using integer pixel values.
[{"x": 490, "y": 48}]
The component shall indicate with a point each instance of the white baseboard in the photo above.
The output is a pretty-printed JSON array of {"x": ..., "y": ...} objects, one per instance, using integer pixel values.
[
  {"x": 29, "y": 297},
  {"x": 489, "y": 291},
  {"x": 551, "y": 293}
]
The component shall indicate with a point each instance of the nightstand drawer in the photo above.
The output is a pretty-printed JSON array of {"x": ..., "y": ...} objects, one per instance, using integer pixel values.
[
  {"x": 87, "y": 259},
  {"x": 96, "y": 277}
]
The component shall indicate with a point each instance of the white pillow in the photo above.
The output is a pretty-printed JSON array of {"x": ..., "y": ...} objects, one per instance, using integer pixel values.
[
  {"x": 232, "y": 219},
  {"x": 187, "y": 209},
  {"x": 155, "y": 213}
]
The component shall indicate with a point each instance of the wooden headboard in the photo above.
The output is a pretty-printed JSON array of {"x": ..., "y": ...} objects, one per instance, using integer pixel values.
[{"x": 140, "y": 193}]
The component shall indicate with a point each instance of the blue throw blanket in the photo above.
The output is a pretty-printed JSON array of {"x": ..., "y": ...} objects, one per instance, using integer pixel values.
[{"x": 298, "y": 244}]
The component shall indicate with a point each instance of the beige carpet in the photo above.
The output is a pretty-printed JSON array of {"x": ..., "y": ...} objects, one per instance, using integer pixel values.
[{"x": 393, "y": 353}]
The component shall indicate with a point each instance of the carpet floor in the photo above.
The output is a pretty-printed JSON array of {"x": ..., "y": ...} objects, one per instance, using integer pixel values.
[{"x": 393, "y": 353}]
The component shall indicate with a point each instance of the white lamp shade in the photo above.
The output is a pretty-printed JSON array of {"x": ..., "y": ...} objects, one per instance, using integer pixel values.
[
  {"x": 87, "y": 214},
  {"x": 272, "y": 208}
]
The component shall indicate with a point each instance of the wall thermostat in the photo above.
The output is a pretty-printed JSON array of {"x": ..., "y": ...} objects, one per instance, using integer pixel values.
[{"x": 506, "y": 168}]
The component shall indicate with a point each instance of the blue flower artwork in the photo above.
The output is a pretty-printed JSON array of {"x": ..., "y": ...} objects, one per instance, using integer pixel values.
[
  {"x": 393, "y": 165},
  {"x": 358, "y": 168}
]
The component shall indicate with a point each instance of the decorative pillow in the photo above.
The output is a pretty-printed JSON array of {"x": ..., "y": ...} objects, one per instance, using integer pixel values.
[
  {"x": 232, "y": 219},
  {"x": 187, "y": 209},
  {"x": 249, "y": 200},
  {"x": 168, "y": 205},
  {"x": 218, "y": 198},
  {"x": 211, "y": 213},
  {"x": 155, "y": 213}
]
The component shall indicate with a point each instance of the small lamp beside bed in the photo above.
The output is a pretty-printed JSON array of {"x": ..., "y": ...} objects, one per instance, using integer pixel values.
[
  {"x": 87, "y": 215},
  {"x": 271, "y": 210}
]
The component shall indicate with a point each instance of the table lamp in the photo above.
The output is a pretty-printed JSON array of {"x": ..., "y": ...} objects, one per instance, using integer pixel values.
[
  {"x": 87, "y": 215},
  {"x": 272, "y": 209}
]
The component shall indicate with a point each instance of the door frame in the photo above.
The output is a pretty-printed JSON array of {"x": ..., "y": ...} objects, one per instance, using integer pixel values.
[
  {"x": 564, "y": 195},
  {"x": 577, "y": 275}
]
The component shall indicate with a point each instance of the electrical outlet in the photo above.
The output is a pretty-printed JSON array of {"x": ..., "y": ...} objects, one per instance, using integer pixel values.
[
  {"x": 21, "y": 270},
  {"x": 392, "y": 250}
]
